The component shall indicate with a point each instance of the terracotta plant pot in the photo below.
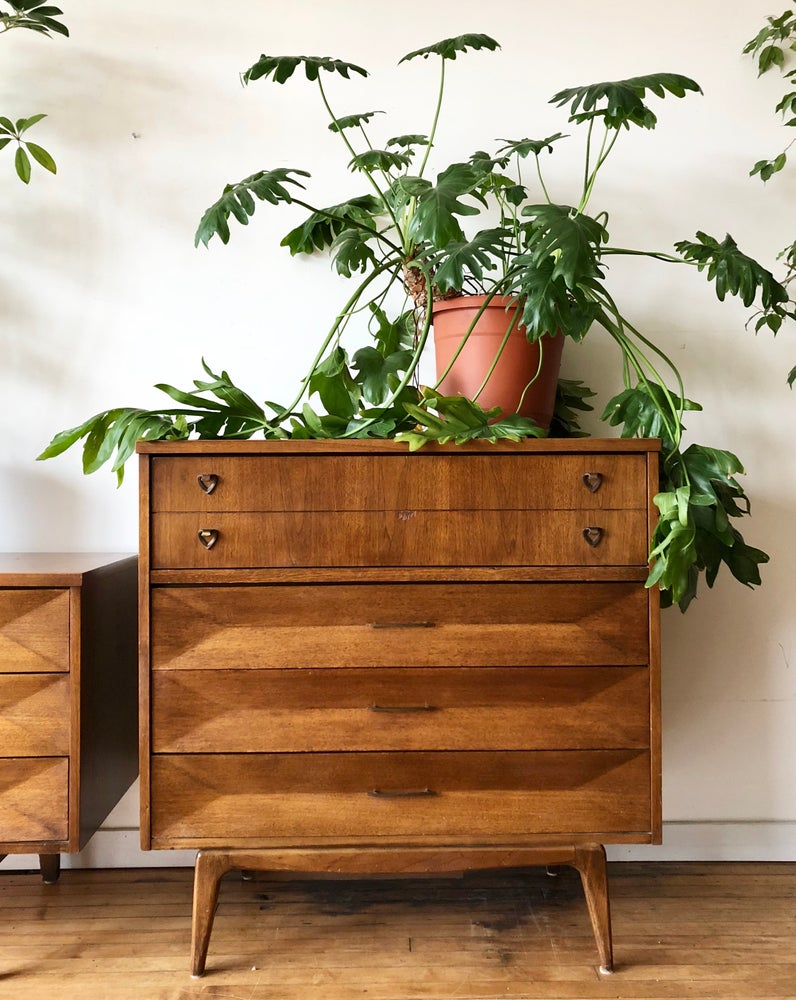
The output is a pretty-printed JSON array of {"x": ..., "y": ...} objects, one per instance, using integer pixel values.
[{"x": 517, "y": 366}]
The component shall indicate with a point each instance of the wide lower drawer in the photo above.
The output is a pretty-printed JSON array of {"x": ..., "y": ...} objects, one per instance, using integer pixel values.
[
  {"x": 422, "y": 481},
  {"x": 512, "y": 708},
  {"x": 237, "y": 799},
  {"x": 33, "y": 799},
  {"x": 399, "y": 625},
  {"x": 34, "y": 630},
  {"x": 34, "y": 715},
  {"x": 399, "y": 538}
]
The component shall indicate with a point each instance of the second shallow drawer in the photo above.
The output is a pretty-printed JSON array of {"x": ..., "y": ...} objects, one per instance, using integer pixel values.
[
  {"x": 399, "y": 538},
  {"x": 513, "y": 708}
]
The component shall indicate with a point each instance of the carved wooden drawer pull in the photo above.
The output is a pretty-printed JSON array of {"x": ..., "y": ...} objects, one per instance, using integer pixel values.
[
  {"x": 401, "y": 793},
  {"x": 207, "y": 482},
  {"x": 403, "y": 624},
  {"x": 593, "y": 535},
  {"x": 592, "y": 481},
  {"x": 208, "y": 537},
  {"x": 402, "y": 708}
]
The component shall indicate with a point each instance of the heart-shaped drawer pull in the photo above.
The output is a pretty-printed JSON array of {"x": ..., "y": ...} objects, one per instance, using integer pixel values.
[
  {"x": 207, "y": 482},
  {"x": 593, "y": 535},
  {"x": 592, "y": 481},
  {"x": 208, "y": 537}
]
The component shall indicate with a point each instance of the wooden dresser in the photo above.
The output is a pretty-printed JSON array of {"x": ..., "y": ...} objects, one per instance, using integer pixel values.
[
  {"x": 357, "y": 659},
  {"x": 68, "y": 718}
]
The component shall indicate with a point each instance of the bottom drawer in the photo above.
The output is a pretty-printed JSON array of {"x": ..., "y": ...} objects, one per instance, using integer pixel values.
[
  {"x": 237, "y": 799},
  {"x": 33, "y": 799}
]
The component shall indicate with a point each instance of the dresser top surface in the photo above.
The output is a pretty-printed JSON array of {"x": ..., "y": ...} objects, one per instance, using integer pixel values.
[
  {"x": 531, "y": 446},
  {"x": 53, "y": 569}
]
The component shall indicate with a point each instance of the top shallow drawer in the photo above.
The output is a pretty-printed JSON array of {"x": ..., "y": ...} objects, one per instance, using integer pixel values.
[{"x": 400, "y": 481}]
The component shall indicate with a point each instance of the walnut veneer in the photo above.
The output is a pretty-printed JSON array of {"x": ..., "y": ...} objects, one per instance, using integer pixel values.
[
  {"x": 357, "y": 659},
  {"x": 68, "y": 720}
]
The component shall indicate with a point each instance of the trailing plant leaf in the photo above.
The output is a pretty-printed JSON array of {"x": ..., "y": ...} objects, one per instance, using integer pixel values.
[
  {"x": 734, "y": 273},
  {"x": 438, "y": 205},
  {"x": 352, "y": 121},
  {"x": 449, "y": 48},
  {"x": 35, "y": 15},
  {"x": 570, "y": 238},
  {"x": 446, "y": 419},
  {"x": 645, "y": 410},
  {"x": 571, "y": 396},
  {"x": 319, "y": 231},
  {"x": 622, "y": 100},
  {"x": 238, "y": 200},
  {"x": 281, "y": 68},
  {"x": 379, "y": 159},
  {"x": 463, "y": 260}
]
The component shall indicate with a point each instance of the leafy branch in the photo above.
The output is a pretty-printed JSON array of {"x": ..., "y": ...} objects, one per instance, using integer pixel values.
[{"x": 34, "y": 15}]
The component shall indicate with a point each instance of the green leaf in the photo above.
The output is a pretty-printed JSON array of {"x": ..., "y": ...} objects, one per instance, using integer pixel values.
[
  {"x": 620, "y": 102},
  {"x": 438, "y": 205},
  {"x": 524, "y": 147},
  {"x": 571, "y": 238},
  {"x": 237, "y": 200},
  {"x": 460, "y": 260},
  {"x": 771, "y": 55},
  {"x": 792, "y": 377},
  {"x": 379, "y": 159},
  {"x": 459, "y": 420},
  {"x": 734, "y": 272},
  {"x": 449, "y": 48},
  {"x": 23, "y": 124},
  {"x": 4, "y": 143},
  {"x": 22, "y": 165},
  {"x": 332, "y": 381},
  {"x": 378, "y": 374},
  {"x": 570, "y": 396},
  {"x": 321, "y": 229},
  {"x": 407, "y": 141},
  {"x": 352, "y": 121},
  {"x": 41, "y": 156},
  {"x": 281, "y": 68},
  {"x": 6, "y": 125},
  {"x": 351, "y": 252}
]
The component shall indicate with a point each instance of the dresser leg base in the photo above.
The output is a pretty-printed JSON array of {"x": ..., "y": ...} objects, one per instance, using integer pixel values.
[
  {"x": 213, "y": 864},
  {"x": 50, "y": 867}
]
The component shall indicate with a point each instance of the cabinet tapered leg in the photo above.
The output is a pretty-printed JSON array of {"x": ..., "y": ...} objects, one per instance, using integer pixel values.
[
  {"x": 50, "y": 866},
  {"x": 590, "y": 862},
  {"x": 209, "y": 869}
]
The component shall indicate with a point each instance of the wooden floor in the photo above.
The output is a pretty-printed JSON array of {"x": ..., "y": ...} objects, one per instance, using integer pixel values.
[{"x": 680, "y": 930}]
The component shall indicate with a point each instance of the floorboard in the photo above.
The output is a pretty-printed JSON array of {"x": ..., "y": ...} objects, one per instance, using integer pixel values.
[{"x": 681, "y": 930}]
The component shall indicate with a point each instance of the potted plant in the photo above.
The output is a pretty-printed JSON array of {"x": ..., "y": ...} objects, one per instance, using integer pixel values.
[{"x": 541, "y": 264}]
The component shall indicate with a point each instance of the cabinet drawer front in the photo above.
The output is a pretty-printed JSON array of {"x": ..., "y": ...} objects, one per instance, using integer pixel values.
[
  {"x": 34, "y": 630},
  {"x": 399, "y": 538},
  {"x": 34, "y": 715},
  {"x": 415, "y": 481},
  {"x": 400, "y": 625},
  {"x": 514, "y": 708},
  {"x": 237, "y": 799},
  {"x": 33, "y": 799}
]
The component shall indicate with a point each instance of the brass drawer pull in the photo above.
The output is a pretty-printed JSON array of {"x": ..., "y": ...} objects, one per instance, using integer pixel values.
[
  {"x": 593, "y": 535},
  {"x": 207, "y": 482},
  {"x": 592, "y": 481},
  {"x": 402, "y": 708},
  {"x": 208, "y": 537},
  {"x": 403, "y": 624},
  {"x": 401, "y": 793}
]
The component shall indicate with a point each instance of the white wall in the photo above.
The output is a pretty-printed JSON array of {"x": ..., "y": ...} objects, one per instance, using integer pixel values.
[{"x": 102, "y": 293}]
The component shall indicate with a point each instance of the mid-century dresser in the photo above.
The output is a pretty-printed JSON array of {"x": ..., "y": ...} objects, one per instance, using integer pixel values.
[
  {"x": 68, "y": 711},
  {"x": 359, "y": 659}
]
